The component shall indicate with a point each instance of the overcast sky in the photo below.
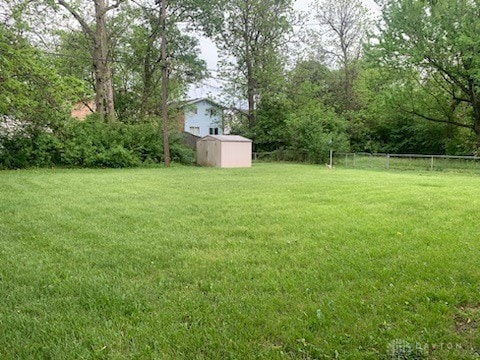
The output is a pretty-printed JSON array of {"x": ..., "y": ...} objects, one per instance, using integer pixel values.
[
  {"x": 304, "y": 4},
  {"x": 210, "y": 54}
]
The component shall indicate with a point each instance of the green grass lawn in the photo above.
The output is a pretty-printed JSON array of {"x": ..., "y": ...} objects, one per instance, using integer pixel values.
[{"x": 280, "y": 261}]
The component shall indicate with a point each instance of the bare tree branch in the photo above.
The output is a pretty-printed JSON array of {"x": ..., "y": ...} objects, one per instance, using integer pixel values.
[
  {"x": 86, "y": 28},
  {"x": 432, "y": 119}
]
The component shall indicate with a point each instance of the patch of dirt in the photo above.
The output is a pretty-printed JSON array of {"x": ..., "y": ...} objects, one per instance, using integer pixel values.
[{"x": 468, "y": 319}]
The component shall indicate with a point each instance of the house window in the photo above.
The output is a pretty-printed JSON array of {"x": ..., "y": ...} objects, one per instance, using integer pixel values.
[
  {"x": 195, "y": 130},
  {"x": 213, "y": 131}
]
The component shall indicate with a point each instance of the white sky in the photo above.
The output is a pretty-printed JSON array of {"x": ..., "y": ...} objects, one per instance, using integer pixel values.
[{"x": 209, "y": 53}]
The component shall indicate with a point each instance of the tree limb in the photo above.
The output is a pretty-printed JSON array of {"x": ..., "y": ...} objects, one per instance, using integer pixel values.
[
  {"x": 111, "y": 7},
  {"x": 86, "y": 28},
  {"x": 412, "y": 112},
  {"x": 446, "y": 74}
]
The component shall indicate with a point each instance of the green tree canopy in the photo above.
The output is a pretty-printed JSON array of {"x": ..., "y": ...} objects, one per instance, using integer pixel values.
[
  {"x": 250, "y": 41},
  {"x": 31, "y": 91},
  {"x": 435, "y": 46}
]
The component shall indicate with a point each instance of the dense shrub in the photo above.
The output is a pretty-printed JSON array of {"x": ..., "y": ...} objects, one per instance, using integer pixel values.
[
  {"x": 36, "y": 148},
  {"x": 90, "y": 143},
  {"x": 314, "y": 131}
]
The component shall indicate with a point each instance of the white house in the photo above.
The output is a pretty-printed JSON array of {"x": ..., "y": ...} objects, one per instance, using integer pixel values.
[{"x": 203, "y": 117}]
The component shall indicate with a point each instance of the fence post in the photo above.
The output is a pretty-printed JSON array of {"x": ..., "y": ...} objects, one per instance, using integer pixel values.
[
  {"x": 354, "y": 159},
  {"x": 346, "y": 160},
  {"x": 388, "y": 161},
  {"x": 431, "y": 164}
]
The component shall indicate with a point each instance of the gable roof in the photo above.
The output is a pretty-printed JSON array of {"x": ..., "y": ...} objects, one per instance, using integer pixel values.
[
  {"x": 227, "y": 138},
  {"x": 195, "y": 101}
]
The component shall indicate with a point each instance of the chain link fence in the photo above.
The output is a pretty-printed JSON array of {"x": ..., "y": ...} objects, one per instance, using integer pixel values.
[
  {"x": 379, "y": 161},
  {"x": 284, "y": 155},
  {"x": 408, "y": 161}
]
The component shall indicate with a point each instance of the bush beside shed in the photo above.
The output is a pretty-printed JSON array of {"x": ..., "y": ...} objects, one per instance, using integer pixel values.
[{"x": 225, "y": 151}]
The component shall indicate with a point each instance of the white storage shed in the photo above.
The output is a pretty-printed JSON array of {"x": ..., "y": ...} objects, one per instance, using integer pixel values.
[{"x": 226, "y": 151}]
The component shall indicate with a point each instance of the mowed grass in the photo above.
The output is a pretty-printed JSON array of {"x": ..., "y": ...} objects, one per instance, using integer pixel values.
[{"x": 280, "y": 261}]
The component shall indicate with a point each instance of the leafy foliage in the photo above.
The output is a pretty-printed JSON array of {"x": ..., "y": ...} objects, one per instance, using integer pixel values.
[
  {"x": 382, "y": 125},
  {"x": 298, "y": 118},
  {"x": 92, "y": 143},
  {"x": 423, "y": 66},
  {"x": 316, "y": 130},
  {"x": 435, "y": 46},
  {"x": 343, "y": 31},
  {"x": 253, "y": 34},
  {"x": 31, "y": 91},
  {"x": 139, "y": 66},
  {"x": 271, "y": 130},
  {"x": 38, "y": 149}
]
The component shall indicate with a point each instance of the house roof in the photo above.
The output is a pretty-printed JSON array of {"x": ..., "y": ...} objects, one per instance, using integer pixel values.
[
  {"x": 194, "y": 101},
  {"x": 184, "y": 103},
  {"x": 227, "y": 138}
]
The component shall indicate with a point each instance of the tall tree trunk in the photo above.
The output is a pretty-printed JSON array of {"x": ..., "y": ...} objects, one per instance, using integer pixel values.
[
  {"x": 250, "y": 94},
  {"x": 166, "y": 144},
  {"x": 98, "y": 71},
  {"x": 104, "y": 73},
  {"x": 109, "y": 94},
  {"x": 150, "y": 66},
  {"x": 475, "y": 101},
  {"x": 476, "y": 122},
  {"x": 104, "y": 100},
  {"x": 249, "y": 67},
  {"x": 346, "y": 70},
  {"x": 348, "y": 87},
  {"x": 147, "y": 85}
]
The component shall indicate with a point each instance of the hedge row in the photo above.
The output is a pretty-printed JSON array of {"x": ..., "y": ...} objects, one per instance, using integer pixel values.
[{"x": 90, "y": 143}]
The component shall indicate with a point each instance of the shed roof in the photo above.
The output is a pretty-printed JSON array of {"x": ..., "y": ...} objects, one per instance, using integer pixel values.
[{"x": 227, "y": 138}]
